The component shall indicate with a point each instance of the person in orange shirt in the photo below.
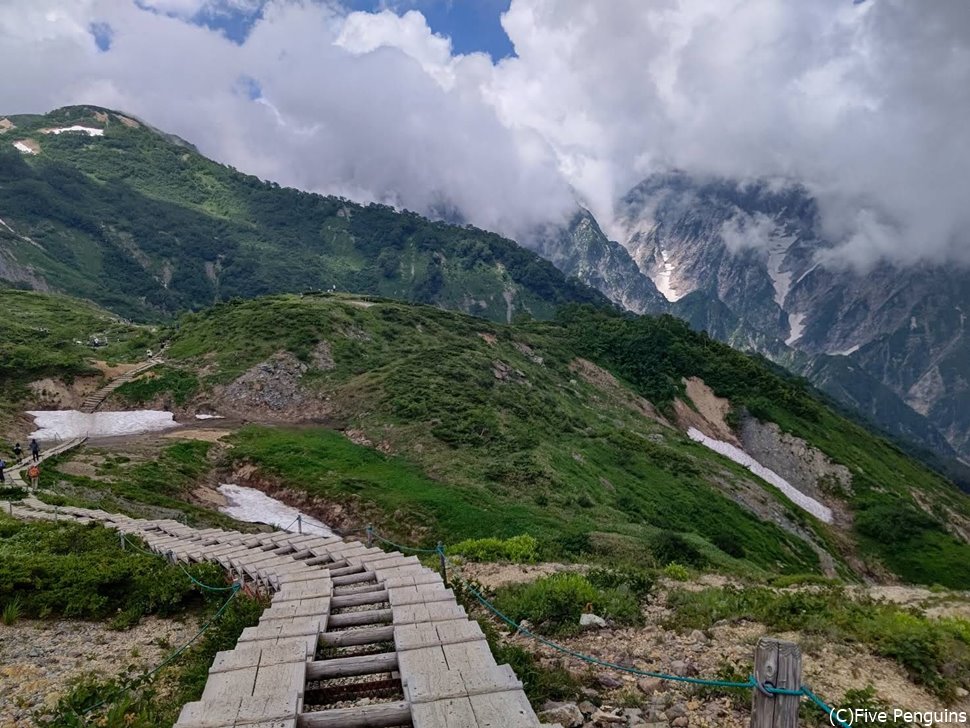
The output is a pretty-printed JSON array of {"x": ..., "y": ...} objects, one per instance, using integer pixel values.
[{"x": 34, "y": 474}]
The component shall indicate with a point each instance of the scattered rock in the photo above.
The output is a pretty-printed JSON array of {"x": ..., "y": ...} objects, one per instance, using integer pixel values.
[
  {"x": 610, "y": 683},
  {"x": 649, "y": 685},
  {"x": 680, "y": 722},
  {"x": 322, "y": 357},
  {"x": 677, "y": 710},
  {"x": 698, "y": 636},
  {"x": 682, "y": 668},
  {"x": 591, "y": 621},
  {"x": 587, "y": 707},
  {"x": 567, "y": 714},
  {"x": 606, "y": 717}
]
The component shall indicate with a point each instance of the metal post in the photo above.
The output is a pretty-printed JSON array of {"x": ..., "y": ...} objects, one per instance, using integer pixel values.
[
  {"x": 442, "y": 563},
  {"x": 776, "y": 664},
  {"x": 299, "y": 523},
  {"x": 121, "y": 534},
  {"x": 370, "y": 536},
  {"x": 55, "y": 514}
]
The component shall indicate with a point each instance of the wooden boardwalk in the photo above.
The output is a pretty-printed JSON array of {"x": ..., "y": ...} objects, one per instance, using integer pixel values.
[
  {"x": 354, "y": 636},
  {"x": 90, "y": 404}
]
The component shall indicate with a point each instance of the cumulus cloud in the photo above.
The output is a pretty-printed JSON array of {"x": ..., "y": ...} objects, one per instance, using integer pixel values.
[{"x": 865, "y": 104}]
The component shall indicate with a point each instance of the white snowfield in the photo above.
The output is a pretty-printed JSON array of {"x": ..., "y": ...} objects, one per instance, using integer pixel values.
[
  {"x": 59, "y": 425},
  {"x": 807, "y": 503},
  {"x": 203, "y": 416},
  {"x": 90, "y": 131},
  {"x": 21, "y": 147},
  {"x": 254, "y": 506}
]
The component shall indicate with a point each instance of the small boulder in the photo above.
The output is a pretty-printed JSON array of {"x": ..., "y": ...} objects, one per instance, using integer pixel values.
[
  {"x": 590, "y": 620},
  {"x": 680, "y": 722},
  {"x": 649, "y": 685},
  {"x": 610, "y": 683},
  {"x": 567, "y": 714}
]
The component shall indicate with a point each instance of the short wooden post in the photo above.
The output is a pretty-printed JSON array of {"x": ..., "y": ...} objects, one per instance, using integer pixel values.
[
  {"x": 55, "y": 514},
  {"x": 370, "y": 537},
  {"x": 776, "y": 664},
  {"x": 299, "y": 523},
  {"x": 442, "y": 563},
  {"x": 121, "y": 534}
]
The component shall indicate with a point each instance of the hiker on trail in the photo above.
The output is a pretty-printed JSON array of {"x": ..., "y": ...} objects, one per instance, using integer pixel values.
[
  {"x": 3, "y": 465},
  {"x": 34, "y": 474},
  {"x": 35, "y": 451},
  {"x": 18, "y": 452}
]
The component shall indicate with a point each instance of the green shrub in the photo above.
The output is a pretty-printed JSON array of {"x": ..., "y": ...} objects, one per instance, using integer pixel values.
[
  {"x": 11, "y": 612},
  {"x": 677, "y": 572},
  {"x": 517, "y": 549},
  {"x": 637, "y": 581},
  {"x": 80, "y": 571},
  {"x": 554, "y": 603},
  {"x": 668, "y": 547}
]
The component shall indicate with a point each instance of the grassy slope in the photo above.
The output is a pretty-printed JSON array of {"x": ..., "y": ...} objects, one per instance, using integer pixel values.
[
  {"x": 148, "y": 227},
  {"x": 543, "y": 450}
]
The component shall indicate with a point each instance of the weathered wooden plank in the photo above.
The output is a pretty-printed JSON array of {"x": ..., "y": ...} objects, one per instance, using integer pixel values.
[
  {"x": 358, "y": 599},
  {"x": 281, "y": 679},
  {"x": 366, "y": 636},
  {"x": 380, "y": 715},
  {"x": 469, "y": 656},
  {"x": 356, "y": 619},
  {"x": 449, "y": 713},
  {"x": 503, "y": 710},
  {"x": 457, "y": 684},
  {"x": 225, "y": 686},
  {"x": 354, "y": 665}
]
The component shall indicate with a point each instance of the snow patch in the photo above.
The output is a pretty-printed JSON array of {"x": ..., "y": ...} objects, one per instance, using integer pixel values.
[
  {"x": 209, "y": 417},
  {"x": 781, "y": 280},
  {"x": 254, "y": 506},
  {"x": 68, "y": 424},
  {"x": 662, "y": 279},
  {"x": 796, "y": 321},
  {"x": 847, "y": 352},
  {"x": 806, "y": 503},
  {"x": 90, "y": 131},
  {"x": 21, "y": 147}
]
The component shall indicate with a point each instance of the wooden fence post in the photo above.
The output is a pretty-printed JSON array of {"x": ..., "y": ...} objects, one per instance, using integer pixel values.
[
  {"x": 299, "y": 523},
  {"x": 776, "y": 664},
  {"x": 442, "y": 563}
]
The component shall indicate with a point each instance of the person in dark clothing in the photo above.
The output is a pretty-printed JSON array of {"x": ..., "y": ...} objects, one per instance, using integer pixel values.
[
  {"x": 3, "y": 465},
  {"x": 35, "y": 451},
  {"x": 18, "y": 452}
]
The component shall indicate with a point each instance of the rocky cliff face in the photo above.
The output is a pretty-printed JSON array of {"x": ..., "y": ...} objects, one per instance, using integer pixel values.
[
  {"x": 741, "y": 261},
  {"x": 581, "y": 249}
]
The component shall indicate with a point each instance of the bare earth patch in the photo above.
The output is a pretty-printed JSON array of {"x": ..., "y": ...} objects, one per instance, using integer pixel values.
[
  {"x": 39, "y": 659},
  {"x": 493, "y": 576}
]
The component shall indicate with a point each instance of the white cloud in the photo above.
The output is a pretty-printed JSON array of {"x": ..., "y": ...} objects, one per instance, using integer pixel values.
[{"x": 865, "y": 104}]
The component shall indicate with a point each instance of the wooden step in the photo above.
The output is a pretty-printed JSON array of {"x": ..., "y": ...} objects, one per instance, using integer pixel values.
[
  {"x": 350, "y": 666},
  {"x": 358, "y": 600},
  {"x": 381, "y": 715},
  {"x": 368, "y": 636},
  {"x": 356, "y": 619}
]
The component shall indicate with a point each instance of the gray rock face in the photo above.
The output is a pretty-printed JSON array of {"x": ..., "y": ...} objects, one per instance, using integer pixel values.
[
  {"x": 581, "y": 249},
  {"x": 802, "y": 465},
  {"x": 742, "y": 262}
]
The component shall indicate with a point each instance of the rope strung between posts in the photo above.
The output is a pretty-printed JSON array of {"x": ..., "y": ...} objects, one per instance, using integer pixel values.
[
  {"x": 750, "y": 683},
  {"x": 208, "y": 587},
  {"x": 145, "y": 677}
]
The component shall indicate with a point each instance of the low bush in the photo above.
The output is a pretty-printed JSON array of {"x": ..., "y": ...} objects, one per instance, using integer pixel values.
[
  {"x": 58, "y": 569},
  {"x": 637, "y": 581},
  {"x": 554, "y": 603},
  {"x": 668, "y": 547},
  {"x": 518, "y": 549},
  {"x": 677, "y": 572}
]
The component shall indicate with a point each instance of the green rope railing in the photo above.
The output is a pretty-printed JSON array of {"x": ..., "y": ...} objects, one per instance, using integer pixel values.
[{"x": 750, "y": 683}]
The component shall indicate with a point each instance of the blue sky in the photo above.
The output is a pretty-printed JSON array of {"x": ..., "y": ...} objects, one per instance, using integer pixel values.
[{"x": 472, "y": 25}]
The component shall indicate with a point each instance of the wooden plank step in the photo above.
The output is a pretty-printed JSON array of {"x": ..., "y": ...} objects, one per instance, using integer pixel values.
[
  {"x": 358, "y": 600},
  {"x": 367, "y": 636},
  {"x": 351, "y": 666},
  {"x": 381, "y": 715},
  {"x": 358, "y": 578},
  {"x": 356, "y": 619},
  {"x": 425, "y": 688}
]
